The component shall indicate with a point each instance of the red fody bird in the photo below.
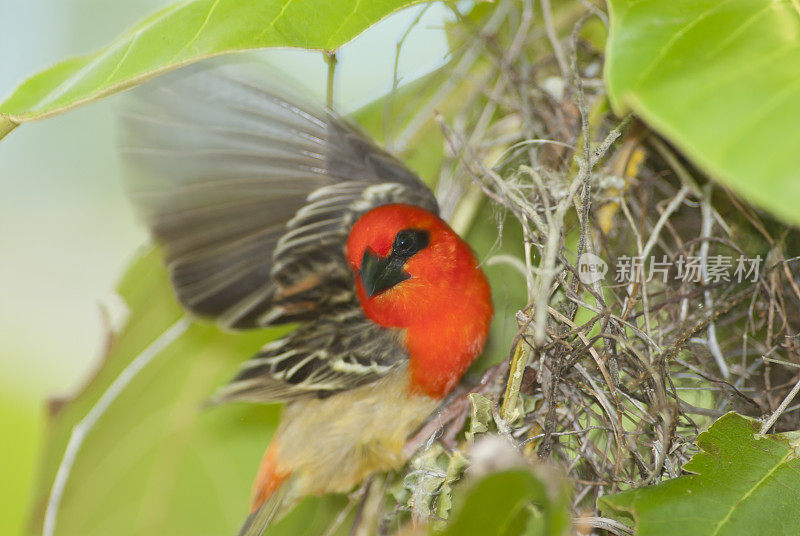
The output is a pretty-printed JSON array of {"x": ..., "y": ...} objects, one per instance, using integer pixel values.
[{"x": 271, "y": 212}]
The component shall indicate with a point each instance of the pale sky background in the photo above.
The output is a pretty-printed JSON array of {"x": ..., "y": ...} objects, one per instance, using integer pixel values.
[{"x": 66, "y": 231}]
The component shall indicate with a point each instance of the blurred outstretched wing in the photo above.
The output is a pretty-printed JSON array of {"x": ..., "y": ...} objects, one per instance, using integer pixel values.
[
  {"x": 252, "y": 193},
  {"x": 333, "y": 354}
]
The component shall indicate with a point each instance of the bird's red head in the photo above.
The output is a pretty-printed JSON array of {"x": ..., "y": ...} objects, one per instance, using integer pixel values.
[{"x": 414, "y": 272}]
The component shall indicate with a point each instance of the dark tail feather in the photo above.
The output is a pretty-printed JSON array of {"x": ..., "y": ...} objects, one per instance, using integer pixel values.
[
  {"x": 260, "y": 518},
  {"x": 270, "y": 494}
]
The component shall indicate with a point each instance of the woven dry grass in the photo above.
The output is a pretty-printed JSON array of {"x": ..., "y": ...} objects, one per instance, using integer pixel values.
[{"x": 612, "y": 380}]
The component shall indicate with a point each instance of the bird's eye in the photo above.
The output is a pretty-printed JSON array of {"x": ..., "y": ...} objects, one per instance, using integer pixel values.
[{"x": 408, "y": 242}]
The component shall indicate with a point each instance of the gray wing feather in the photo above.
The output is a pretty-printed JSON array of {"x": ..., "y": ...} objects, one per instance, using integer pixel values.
[
  {"x": 238, "y": 182},
  {"x": 252, "y": 195}
]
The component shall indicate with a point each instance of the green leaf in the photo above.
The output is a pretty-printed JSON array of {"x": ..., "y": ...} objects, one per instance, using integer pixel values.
[
  {"x": 480, "y": 414},
  {"x": 189, "y": 31},
  {"x": 512, "y": 503},
  {"x": 742, "y": 484},
  {"x": 721, "y": 80},
  {"x": 157, "y": 462}
]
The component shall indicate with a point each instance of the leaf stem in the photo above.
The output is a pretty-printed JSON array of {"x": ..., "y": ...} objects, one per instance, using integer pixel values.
[
  {"x": 330, "y": 59},
  {"x": 6, "y": 126}
]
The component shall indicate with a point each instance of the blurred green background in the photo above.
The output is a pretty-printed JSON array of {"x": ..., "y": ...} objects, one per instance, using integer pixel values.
[{"x": 66, "y": 230}]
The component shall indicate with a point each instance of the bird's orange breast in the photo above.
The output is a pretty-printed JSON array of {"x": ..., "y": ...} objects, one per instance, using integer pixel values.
[{"x": 443, "y": 346}]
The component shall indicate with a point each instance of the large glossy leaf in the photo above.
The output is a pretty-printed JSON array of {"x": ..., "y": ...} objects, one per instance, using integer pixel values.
[
  {"x": 721, "y": 80},
  {"x": 157, "y": 462},
  {"x": 742, "y": 484},
  {"x": 186, "y": 32},
  {"x": 512, "y": 503}
]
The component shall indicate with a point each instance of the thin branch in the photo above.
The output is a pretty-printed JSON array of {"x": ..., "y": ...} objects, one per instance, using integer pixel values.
[{"x": 85, "y": 426}]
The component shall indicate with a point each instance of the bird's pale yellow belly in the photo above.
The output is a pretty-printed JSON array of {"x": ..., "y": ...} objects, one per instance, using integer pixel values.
[{"x": 353, "y": 434}]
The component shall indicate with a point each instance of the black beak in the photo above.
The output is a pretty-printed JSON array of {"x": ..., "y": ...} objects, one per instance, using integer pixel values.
[{"x": 379, "y": 274}]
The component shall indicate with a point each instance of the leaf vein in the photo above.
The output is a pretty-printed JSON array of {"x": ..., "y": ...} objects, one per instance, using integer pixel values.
[
  {"x": 747, "y": 494},
  {"x": 344, "y": 21},
  {"x": 121, "y": 60},
  {"x": 199, "y": 30},
  {"x": 275, "y": 20},
  {"x": 675, "y": 38}
]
